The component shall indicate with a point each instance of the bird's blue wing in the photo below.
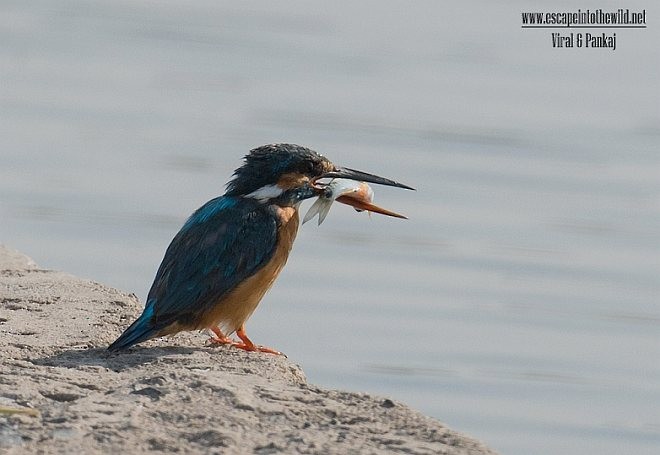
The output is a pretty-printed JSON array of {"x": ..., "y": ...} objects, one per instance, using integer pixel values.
[{"x": 224, "y": 242}]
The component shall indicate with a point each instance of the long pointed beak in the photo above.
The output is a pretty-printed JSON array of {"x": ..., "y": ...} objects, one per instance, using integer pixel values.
[
  {"x": 346, "y": 173},
  {"x": 368, "y": 206}
]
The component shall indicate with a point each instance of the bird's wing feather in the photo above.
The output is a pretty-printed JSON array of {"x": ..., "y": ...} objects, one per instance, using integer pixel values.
[{"x": 222, "y": 243}]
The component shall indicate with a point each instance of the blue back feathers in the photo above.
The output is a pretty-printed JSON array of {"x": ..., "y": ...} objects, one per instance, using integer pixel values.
[
  {"x": 208, "y": 210},
  {"x": 224, "y": 242}
]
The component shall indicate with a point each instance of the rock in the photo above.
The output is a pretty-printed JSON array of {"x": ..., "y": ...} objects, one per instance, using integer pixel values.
[
  {"x": 13, "y": 260},
  {"x": 170, "y": 395}
]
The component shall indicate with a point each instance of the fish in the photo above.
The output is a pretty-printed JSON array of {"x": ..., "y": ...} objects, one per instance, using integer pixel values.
[{"x": 358, "y": 195}]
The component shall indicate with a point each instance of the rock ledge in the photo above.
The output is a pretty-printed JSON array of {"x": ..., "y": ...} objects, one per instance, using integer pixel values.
[{"x": 61, "y": 392}]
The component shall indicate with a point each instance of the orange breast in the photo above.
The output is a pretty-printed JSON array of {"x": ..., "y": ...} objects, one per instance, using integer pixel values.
[{"x": 235, "y": 308}]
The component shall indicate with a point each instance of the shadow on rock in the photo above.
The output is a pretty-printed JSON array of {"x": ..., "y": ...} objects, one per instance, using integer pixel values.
[{"x": 117, "y": 361}]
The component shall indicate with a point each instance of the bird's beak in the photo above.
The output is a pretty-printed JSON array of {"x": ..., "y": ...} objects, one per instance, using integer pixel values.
[
  {"x": 368, "y": 206},
  {"x": 346, "y": 173}
]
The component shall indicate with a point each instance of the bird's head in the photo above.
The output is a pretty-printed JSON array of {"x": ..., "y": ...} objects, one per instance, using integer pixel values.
[{"x": 286, "y": 174}]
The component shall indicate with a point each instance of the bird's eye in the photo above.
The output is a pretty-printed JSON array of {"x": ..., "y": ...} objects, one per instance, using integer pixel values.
[{"x": 309, "y": 167}]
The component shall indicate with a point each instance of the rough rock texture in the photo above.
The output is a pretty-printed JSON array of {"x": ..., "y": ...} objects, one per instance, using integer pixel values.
[{"x": 61, "y": 392}]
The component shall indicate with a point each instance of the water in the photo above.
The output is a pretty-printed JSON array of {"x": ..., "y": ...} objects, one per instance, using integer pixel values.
[{"x": 521, "y": 301}]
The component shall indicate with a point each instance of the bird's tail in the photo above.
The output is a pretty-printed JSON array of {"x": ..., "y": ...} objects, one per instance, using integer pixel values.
[{"x": 141, "y": 330}]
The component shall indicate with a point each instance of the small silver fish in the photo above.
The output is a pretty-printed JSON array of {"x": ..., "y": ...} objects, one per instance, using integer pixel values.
[{"x": 358, "y": 195}]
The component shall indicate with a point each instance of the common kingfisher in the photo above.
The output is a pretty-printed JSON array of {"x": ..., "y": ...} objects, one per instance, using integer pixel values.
[{"x": 230, "y": 251}]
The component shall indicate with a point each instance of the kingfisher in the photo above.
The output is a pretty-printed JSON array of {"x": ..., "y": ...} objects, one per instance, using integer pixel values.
[{"x": 229, "y": 252}]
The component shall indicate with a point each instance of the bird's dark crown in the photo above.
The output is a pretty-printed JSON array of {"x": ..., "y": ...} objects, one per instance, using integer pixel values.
[{"x": 287, "y": 166}]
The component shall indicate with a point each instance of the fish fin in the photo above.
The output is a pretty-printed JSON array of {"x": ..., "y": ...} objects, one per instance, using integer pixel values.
[
  {"x": 324, "y": 210},
  {"x": 314, "y": 209}
]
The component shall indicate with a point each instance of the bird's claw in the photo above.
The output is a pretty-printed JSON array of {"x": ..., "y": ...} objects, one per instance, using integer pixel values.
[
  {"x": 256, "y": 348},
  {"x": 226, "y": 341},
  {"x": 222, "y": 341}
]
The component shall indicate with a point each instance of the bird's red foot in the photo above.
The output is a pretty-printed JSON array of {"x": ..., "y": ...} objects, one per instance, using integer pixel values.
[
  {"x": 248, "y": 345},
  {"x": 256, "y": 348},
  {"x": 220, "y": 338}
]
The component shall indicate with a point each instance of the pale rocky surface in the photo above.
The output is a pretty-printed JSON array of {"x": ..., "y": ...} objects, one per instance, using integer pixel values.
[{"x": 170, "y": 395}]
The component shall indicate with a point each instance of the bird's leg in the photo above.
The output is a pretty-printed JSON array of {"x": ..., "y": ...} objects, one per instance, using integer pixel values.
[
  {"x": 248, "y": 345},
  {"x": 219, "y": 338}
]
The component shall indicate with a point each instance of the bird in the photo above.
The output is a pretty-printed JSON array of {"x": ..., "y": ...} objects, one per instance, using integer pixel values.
[{"x": 229, "y": 252}]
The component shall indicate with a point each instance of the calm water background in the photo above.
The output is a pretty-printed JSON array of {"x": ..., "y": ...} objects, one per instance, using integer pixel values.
[{"x": 521, "y": 301}]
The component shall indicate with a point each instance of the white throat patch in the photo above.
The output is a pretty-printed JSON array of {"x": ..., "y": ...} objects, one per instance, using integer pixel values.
[{"x": 266, "y": 192}]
